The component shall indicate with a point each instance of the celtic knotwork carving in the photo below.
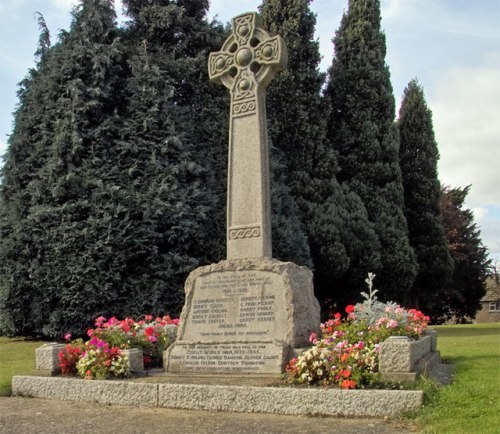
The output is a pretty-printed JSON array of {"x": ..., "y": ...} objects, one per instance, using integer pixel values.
[
  {"x": 244, "y": 87},
  {"x": 248, "y": 49},
  {"x": 219, "y": 64},
  {"x": 243, "y": 27},
  {"x": 244, "y": 108},
  {"x": 269, "y": 51},
  {"x": 250, "y": 232}
]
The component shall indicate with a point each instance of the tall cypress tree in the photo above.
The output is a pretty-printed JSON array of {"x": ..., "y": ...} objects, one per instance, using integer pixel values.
[
  {"x": 361, "y": 128},
  {"x": 26, "y": 154},
  {"x": 418, "y": 157},
  {"x": 334, "y": 217}
]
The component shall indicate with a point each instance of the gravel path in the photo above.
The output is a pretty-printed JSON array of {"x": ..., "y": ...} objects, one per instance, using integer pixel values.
[{"x": 20, "y": 415}]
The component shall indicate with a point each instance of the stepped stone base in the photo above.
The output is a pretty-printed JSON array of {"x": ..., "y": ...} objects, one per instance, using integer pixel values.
[{"x": 230, "y": 398}]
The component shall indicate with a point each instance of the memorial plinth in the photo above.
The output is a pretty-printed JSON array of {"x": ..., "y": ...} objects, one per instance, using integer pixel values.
[{"x": 244, "y": 316}]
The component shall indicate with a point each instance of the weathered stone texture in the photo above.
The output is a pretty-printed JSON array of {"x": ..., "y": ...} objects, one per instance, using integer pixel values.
[
  {"x": 237, "y": 307},
  {"x": 76, "y": 389},
  {"x": 135, "y": 360},
  {"x": 279, "y": 400},
  {"x": 293, "y": 401},
  {"x": 47, "y": 358}
]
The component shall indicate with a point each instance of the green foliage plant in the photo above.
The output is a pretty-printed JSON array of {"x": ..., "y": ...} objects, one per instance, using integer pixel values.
[{"x": 347, "y": 353}]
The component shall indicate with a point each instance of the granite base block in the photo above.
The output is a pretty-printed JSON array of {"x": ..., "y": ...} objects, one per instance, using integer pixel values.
[
  {"x": 76, "y": 389},
  {"x": 243, "y": 399}
]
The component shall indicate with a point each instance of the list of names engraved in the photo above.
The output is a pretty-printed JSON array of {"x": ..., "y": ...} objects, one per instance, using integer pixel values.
[
  {"x": 231, "y": 306},
  {"x": 248, "y": 357}
]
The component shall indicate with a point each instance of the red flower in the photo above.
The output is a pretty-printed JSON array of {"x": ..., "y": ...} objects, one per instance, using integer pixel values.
[
  {"x": 148, "y": 331},
  {"x": 350, "y": 308},
  {"x": 348, "y": 384},
  {"x": 345, "y": 373}
]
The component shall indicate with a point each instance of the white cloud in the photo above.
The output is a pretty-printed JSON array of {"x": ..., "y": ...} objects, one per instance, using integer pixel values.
[
  {"x": 64, "y": 5},
  {"x": 3, "y": 148},
  {"x": 466, "y": 111},
  {"x": 488, "y": 221}
]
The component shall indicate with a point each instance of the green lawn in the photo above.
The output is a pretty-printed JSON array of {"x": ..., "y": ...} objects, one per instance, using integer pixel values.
[
  {"x": 471, "y": 404},
  {"x": 17, "y": 357}
]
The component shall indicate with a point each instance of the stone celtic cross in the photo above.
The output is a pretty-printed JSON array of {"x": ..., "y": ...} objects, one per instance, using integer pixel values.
[{"x": 246, "y": 64}]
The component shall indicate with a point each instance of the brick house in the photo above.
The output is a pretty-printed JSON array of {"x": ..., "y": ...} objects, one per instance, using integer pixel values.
[{"x": 490, "y": 310}]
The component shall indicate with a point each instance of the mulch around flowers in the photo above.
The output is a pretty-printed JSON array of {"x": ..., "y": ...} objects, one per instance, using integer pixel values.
[{"x": 19, "y": 415}]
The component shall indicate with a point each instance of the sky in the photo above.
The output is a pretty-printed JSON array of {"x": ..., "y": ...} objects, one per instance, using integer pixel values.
[{"x": 451, "y": 46}]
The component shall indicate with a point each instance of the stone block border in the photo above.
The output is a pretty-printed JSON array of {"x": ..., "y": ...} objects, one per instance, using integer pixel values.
[{"x": 242, "y": 399}]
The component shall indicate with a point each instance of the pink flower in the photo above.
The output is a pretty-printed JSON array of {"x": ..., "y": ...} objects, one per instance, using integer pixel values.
[
  {"x": 67, "y": 337},
  {"x": 152, "y": 338},
  {"x": 148, "y": 317},
  {"x": 313, "y": 337},
  {"x": 392, "y": 324},
  {"x": 99, "y": 321},
  {"x": 361, "y": 344},
  {"x": 90, "y": 332}
]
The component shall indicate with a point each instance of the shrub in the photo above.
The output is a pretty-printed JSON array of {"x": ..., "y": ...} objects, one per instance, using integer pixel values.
[{"x": 347, "y": 353}]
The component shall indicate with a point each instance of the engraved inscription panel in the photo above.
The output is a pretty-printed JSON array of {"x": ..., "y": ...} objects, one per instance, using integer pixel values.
[
  {"x": 227, "y": 358},
  {"x": 237, "y": 306}
]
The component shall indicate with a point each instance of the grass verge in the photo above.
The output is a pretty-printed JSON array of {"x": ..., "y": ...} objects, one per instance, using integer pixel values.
[
  {"x": 17, "y": 357},
  {"x": 471, "y": 403}
]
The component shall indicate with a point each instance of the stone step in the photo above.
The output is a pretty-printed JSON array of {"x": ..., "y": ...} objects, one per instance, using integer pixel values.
[{"x": 229, "y": 398}]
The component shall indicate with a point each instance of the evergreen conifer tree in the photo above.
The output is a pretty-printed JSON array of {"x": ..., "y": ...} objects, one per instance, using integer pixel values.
[
  {"x": 361, "y": 128},
  {"x": 22, "y": 303},
  {"x": 418, "y": 157},
  {"x": 334, "y": 217},
  {"x": 461, "y": 298},
  {"x": 116, "y": 205}
]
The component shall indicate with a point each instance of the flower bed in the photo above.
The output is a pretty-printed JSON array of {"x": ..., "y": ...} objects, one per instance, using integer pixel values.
[
  {"x": 102, "y": 356},
  {"x": 347, "y": 353}
]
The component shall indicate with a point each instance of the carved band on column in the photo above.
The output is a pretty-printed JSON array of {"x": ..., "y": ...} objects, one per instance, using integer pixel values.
[{"x": 246, "y": 232}]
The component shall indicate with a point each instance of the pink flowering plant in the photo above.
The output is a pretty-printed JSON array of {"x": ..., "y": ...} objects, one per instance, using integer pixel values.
[
  {"x": 152, "y": 335},
  {"x": 101, "y": 355},
  {"x": 347, "y": 352},
  {"x": 99, "y": 360}
]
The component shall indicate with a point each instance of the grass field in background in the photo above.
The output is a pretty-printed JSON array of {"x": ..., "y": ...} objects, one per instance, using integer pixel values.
[
  {"x": 471, "y": 404},
  {"x": 17, "y": 357}
]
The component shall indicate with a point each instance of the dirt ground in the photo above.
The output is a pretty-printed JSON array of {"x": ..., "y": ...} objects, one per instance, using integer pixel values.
[{"x": 20, "y": 415}]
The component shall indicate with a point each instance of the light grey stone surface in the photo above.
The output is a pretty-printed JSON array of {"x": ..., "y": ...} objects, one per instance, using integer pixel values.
[
  {"x": 403, "y": 359},
  {"x": 279, "y": 400},
  {"x": 76, "y": 389},
  {"x": 47, "y": 358},
  {"x": 401, "y": 354},
  {"x": 246, "y": 64},
  {"x": 237, "y": 307},
  {"x": 135, "y": 360},
  {"x": 433, "y": 334},
  {"x": 293, "y": 401}
]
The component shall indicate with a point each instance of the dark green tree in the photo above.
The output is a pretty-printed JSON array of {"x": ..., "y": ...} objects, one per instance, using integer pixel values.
[
  {"x": 418, "y": 156},
  {"x": 116, "y": 206},
  {"x": 340, "y": 237},
  {"x": 26, "y": 153},
  {"x": 462, "y": 296},
  {"x": 362, "y": 131}
]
